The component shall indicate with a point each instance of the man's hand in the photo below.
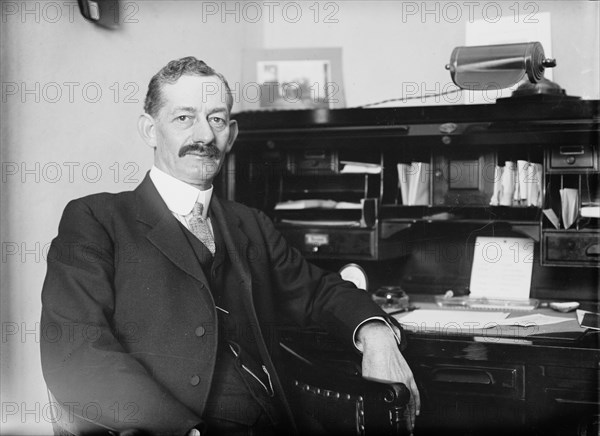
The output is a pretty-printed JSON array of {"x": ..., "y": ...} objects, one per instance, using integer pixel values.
[{"x": 382, "y": 360}]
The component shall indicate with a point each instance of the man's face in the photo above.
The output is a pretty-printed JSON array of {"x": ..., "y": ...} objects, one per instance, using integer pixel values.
[{"x": 192, "y": 132}]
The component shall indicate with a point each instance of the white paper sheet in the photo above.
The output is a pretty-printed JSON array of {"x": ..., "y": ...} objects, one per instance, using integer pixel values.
[
  {"x": 413, "y": 182},
  {"x": 360, "y": 168},
  {"x": 502, "y": 268},
  {"x": 581, "y": 314},
  {"x": 322, "y": 223},
  {"x": 442, "y": 320},
  {"x": 569, "y": 200},
  {"x": 536, "y": 319},
  {"x": 403, "y": 182}
]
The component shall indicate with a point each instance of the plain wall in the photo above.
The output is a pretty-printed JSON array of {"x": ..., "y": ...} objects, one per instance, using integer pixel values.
[
  {"x": 62, "y": 147},
  {"x": 394, "y": 49},
  {"x": 56, "y": 149}
]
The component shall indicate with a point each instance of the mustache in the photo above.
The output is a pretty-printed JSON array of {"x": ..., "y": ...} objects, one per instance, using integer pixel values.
[{"x": 210, "y": 150}]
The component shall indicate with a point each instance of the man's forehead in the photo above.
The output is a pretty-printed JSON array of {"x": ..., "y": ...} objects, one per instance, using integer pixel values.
[{"x": 195, "y": 92}]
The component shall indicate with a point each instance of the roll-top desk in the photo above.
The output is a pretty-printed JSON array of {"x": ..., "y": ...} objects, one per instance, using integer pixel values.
[{"x": 544, "y": 384}]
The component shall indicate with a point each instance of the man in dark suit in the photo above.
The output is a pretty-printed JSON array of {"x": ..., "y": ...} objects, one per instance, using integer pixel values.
[{"x": 158, "y": 303}]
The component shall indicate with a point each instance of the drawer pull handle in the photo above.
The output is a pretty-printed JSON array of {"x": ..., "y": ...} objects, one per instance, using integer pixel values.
[
  {"x": 568, "y": 150},
  {"x": 593, "y": 250},
  {"x": 463, "y": 376}
]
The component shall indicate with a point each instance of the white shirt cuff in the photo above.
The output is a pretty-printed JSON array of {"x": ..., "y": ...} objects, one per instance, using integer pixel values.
[{"x": 394, "y": 330}]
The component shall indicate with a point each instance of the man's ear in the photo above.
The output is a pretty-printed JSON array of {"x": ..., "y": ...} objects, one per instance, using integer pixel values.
[
  {"x": 233, "y": 132},
  {"x": 146, "y": 129}
]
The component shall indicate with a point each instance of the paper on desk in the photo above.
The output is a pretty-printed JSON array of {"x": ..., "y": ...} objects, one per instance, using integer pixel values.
[
  {"x": 316, "y": 204},
  {"x": 581, "y": 314},
  {"x": 308, "y": 203},
  {"x": 535, "y": 319},
  {"x": 508, "y": 183},
  {"x": 360, "y": 168},
  {"x": 322, "y": 223},
  {"x": 403, "y": 182},
  {"x": 569, "y": 199},
  {"x": 502, "y": 268},
  {"x": 413, "y": 182},
  {"x": 495, "y": 201},
  {"x": 534, "y": 184},
  {"x": 552, "y": 217},
  {"x": 418, "y": 186},
  {"x": 590, "y": 211},
  {"x": 521, "y": 186},
  {"x": 442, "y": 320}
]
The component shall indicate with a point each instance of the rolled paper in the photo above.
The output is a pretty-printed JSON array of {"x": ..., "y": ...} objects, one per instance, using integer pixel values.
[
  {"x": 495, "y": 200},
  {"x": 534, "y": 185},
  {"x": 418, "y": 186},
  {"x": 521, "y": 186},
  {"x": 508, "y": 184},
  {"x": 403, "y": 172}
]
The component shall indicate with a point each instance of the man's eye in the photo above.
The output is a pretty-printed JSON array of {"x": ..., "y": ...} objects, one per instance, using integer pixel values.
[
  {"x": 184, "y": 121},
  {"x": 217, "y": 121}
]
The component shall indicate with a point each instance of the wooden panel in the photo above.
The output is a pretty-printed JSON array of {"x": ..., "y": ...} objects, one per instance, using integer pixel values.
[{"x": 464, "y": 177}]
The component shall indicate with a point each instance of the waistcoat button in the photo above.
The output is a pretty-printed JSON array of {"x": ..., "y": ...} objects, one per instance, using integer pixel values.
[
  {"x": 194, "y": 380},
  {"x": 200, "y": 331}
]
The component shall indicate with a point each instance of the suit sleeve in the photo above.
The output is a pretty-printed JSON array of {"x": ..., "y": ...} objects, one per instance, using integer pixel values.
[
  {"x": 312, "y": 296},
  {"x": 85, "y": 366}
]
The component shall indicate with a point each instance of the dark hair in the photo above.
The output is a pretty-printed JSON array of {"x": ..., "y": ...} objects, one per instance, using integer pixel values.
[{"x": 171, "y": 73}]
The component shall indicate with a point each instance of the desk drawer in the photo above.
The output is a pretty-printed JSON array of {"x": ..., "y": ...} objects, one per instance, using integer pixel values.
[
  {"x": 325, "y": 242},
  {"x": 494, "y": 379},
  {"x": 573, "y": 247},
  {"x": 572, "y": 385},
  {"x": 576, "y": 157}
]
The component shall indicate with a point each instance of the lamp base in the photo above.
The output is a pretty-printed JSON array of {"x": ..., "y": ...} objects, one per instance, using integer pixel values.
[{"x": 544, "y": 90}]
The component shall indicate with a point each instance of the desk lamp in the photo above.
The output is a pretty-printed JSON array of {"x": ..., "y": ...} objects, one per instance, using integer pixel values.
[{"x": 485, "y": 67}]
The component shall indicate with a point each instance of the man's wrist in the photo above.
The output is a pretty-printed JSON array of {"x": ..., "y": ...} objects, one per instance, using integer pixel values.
[{"x": 375, "y": 328}]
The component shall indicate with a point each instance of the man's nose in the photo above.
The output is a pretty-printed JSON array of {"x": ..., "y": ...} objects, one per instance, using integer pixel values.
[{"x": 202, "y": 132}]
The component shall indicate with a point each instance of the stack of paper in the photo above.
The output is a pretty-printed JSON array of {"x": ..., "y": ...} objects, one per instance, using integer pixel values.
[
  {"x": 413, "y": 182},
  {"x": 316, "y": 203},
  {"x": 359, "y": 168},
  {"x": 590, "y": 211}
]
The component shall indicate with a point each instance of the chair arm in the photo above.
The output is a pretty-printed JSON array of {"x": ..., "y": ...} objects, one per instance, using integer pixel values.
[{"x": 330, "y": 397}]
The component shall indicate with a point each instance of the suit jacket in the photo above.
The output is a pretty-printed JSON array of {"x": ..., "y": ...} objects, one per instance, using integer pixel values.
[{"x": 128, "y": 328}]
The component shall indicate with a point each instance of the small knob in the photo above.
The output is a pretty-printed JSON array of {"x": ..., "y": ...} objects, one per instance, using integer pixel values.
[
  {"x": 570, "y": 160},
  {"x": 549, "y": 63}
]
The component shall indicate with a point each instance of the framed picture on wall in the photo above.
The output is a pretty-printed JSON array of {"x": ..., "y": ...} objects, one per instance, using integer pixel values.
[{"x": 292, "y": 79}]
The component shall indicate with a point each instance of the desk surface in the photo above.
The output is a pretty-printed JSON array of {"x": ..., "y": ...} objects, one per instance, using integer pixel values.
[
  {"x": 569, "y": 330},
  {"x": 514, "y": 381}
]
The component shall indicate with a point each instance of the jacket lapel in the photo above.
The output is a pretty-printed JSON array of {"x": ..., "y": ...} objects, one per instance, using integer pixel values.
[{"x": 166, "y": 232}]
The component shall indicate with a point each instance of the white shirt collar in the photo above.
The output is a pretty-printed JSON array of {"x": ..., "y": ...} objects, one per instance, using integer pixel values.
[{"x": 179, "y": 196}]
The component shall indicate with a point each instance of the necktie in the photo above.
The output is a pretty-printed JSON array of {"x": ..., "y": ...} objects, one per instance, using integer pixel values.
[{"x": 200, "y": 229}]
